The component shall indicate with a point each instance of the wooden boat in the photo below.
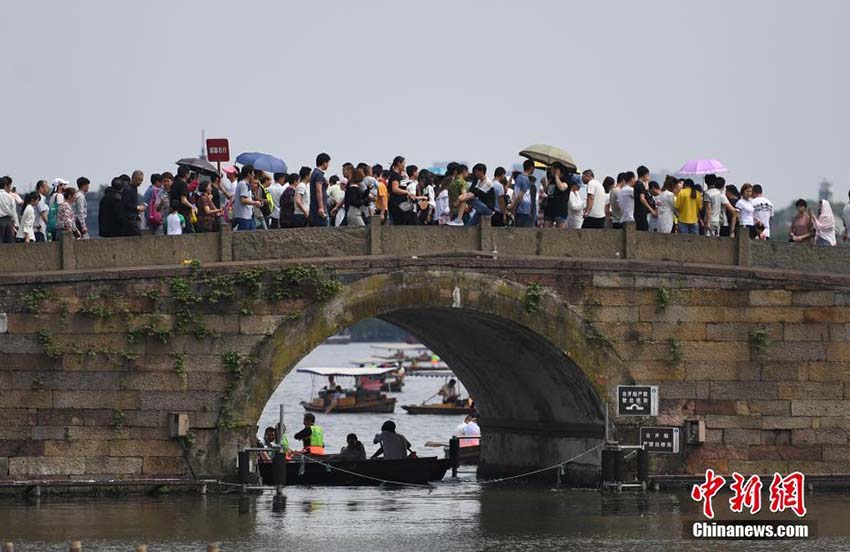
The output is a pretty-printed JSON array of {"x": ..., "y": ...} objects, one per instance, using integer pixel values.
[
  {"x": 392, "y": 386},
  {"x": 392, "y": 382},
  {"x": 339, "y": 339},
  {"x": 365, "y": 397},
  {"x": 381, "y": 404},
  {"x": 418, "y": 471},
  {"x": 449, "y": 409},
  {"x": 423, "y": 359}
]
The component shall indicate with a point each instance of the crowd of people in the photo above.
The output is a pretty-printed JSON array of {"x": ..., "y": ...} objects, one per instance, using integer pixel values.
[{"x": 404, "y": 194}]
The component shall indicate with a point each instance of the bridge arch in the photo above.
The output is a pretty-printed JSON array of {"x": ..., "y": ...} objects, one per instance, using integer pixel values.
[{"x": 538, "y": 375}]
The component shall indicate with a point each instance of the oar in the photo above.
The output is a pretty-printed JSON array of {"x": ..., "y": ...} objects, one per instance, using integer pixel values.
[
  {"x": 431, "y": 397},
  {"x": 435, "y": 444}
]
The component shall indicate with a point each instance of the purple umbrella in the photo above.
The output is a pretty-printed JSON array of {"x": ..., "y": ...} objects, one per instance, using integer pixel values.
[{"x": 702, "y": 166}]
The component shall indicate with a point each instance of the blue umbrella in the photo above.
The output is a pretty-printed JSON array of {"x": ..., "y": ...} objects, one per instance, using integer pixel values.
[
  {"x": 263, "y": 162},
  {"x": 248, "y": 158}
]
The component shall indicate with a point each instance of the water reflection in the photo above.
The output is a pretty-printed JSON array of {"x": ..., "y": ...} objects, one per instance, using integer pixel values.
[{"x": 460, "y": 516}]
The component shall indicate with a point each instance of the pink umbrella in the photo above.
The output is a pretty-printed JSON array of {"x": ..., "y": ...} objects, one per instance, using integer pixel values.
[{"x": 702, "y": 166}]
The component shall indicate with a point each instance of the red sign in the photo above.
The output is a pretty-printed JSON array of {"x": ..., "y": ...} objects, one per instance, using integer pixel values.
[{"x": 218, "y": 150}]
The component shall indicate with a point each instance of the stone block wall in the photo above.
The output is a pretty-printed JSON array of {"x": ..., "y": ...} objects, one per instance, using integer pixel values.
[
  {"x": 765, "y": 363},
  {"x": 87, "y": 380}
]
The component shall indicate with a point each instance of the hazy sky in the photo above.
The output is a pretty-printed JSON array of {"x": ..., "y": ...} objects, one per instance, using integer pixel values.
[{"x": 104, "y": 87}]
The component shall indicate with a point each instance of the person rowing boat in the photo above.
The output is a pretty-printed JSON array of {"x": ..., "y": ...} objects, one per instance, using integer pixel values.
[
  {"x": 449, "y": 392},
  {"x": 394, "y": 446}
]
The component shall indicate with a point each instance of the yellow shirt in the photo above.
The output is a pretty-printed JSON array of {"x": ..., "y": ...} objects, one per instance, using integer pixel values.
[
  {"x": 382, "y": 201},
  {"x": 688, "y": 207}
]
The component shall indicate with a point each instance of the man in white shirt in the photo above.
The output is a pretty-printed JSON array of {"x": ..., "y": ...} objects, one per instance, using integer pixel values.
[
  {"x": 763, "y": 209},
  {"x": 713, "y": 200},
  {"x": 276, "y": 190},
  {"x": 8, "y": 212},
  {"x": 614, "y": 209},
  {"x": 594, "y": 211},
  {"x": 41, "y": 210},
  {"x": 626, "y": 198},
  {"x": 228, "y": 184}
]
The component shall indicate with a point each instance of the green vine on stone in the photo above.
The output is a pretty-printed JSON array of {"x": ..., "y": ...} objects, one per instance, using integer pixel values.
[
  {"x": 290, "y": 283},
  {"x": 37, "y": 383},
  {"x": 51, "y": 348},
  {"x": 662, "y": 299},
  {"x": 596, "y": 336},
  {"x": 179, "y": 364},
  {"x": 533, "y": 297},
  {"x": 760, "y": 339},
  {"x": 34, "y": 299},
  {"x": 105, "y": 307},
  {"x": 117, "y": 418},
  {"x": 153, "y": 327},
  {"x": 189, "y": 440},
  {"x": 675, "y": 350}
]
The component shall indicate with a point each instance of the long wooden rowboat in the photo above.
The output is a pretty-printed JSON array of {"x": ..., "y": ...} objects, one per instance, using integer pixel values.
[
  {"x": 381, "y": 405},
  {"x": 444, "y": 409},
  {"x": 409, "y": 470}
]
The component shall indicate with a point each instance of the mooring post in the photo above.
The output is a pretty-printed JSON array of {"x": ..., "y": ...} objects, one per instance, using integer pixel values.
[
  {"x": 279, "y": 500},
  {"x": 75, "y": 546},
  {"x": 278, "y": 469},
  {"x": 619, "y": 466},
  {"x": 141, "y": 548},
  {"x": 212, "y": 547},
  {"x": 454, "y": 454},
  {"x": 244, "y": 461},
  {"x": 607, "y": 466},
  {"x": 643, "y": 465},
  {"x": 9, "y": 547}
]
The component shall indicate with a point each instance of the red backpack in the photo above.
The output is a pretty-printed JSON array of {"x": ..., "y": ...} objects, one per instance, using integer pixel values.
[{"x": 154, "y": 216}]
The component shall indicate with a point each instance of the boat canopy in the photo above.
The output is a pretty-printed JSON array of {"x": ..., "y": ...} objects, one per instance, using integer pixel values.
[
  {"x": 374, "y": 362},
  {"x": 401, "y": 347},
  {"x": 365, "y": 371}
]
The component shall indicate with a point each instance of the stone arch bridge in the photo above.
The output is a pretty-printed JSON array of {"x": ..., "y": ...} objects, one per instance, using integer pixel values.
[{"x": 101, "y": 340}]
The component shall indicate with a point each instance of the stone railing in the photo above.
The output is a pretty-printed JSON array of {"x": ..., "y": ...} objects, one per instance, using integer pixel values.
[{"x": 228, "y": 246}]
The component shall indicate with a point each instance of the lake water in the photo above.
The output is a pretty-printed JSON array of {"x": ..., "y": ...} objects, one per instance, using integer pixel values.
[{"x": 454, "y": 515}]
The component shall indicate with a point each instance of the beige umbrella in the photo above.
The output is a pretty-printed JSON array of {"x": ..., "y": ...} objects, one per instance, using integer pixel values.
[{"x": 549, "y": 155}]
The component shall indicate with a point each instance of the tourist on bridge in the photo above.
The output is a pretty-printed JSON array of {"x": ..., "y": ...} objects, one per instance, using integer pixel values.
[
  {"x": 9, "y": 222},
  {"x": 524, "y": 206},
  {"x": 802, "y": 229},
  {"x": 845, "y": 218},
  {"x": 727, "y": 224},
  {"x": 824, "y": 224},
  {"x": 26, "y": 230},
  {"x": 311, "y": 436},
  {"x": 319, "y": 192},
  {"x": 763, "y": 209},
  {"x": 644, "y": 202}
]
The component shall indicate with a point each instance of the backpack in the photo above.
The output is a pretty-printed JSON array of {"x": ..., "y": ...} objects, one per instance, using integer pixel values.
[
  {"x": 154, "y": 216},
  {"x": 268, "y": 204},
  {"x": 52, "y": 215},
  {"x": 287, "y": 207}
]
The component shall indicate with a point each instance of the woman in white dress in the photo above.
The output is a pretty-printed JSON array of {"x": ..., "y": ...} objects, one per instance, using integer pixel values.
[
  {"x": 575, "y": 207},
  {"x": 665, "y": 204}
]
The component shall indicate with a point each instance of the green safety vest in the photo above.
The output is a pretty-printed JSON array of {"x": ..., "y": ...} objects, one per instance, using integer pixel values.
[
  {"x": 284, "y": 444},
  {"x": 317, "y": 437}
]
